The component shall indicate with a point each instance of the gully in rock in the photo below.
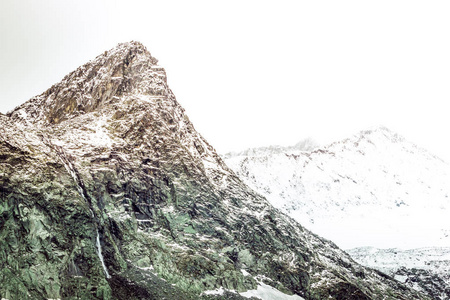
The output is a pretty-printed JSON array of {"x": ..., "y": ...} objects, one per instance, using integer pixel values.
[
  {"x": 80, "y": 187},
  {"x": 99, "y": 247}
]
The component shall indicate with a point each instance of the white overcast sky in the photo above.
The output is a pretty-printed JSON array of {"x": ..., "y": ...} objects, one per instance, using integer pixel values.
[{"x": 253, "y": 73}]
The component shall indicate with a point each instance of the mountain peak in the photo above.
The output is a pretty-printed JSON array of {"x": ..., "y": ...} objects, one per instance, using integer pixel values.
[
  {"x": 122, "y": 50},
  {"x": 131, "y": 45},
  {"x": 123, "y": 70},
  {"x": 380, "y": 133},
  {"x": 307, "y": 144}
]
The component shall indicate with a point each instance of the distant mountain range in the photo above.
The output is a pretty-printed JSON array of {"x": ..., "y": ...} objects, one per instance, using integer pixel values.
[{"x": 373, "y": 189}]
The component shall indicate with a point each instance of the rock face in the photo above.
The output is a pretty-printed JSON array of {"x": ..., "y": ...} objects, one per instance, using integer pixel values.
[{"x": 108, "y": 192}]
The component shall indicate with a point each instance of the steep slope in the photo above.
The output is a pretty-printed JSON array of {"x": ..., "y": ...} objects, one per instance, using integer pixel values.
[
  {"x": 108, "y": 192},
  {"x": 373, "y": 189}
]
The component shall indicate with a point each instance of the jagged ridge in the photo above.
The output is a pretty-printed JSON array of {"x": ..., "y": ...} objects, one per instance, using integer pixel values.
[{"x": 95, "y": 84}]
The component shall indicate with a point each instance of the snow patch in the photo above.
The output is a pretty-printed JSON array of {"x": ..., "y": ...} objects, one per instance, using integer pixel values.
[
  {"x": 151, "y": 268},
  {"x": 219, "y": 291},
  {"x": 266, "y": 292},
  {"x": 100, "y": 136},
  {"x": 401, "y": 278}
]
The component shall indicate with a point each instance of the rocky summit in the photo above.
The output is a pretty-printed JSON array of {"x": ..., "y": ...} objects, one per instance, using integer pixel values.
[{"x": 108, "y": 192}]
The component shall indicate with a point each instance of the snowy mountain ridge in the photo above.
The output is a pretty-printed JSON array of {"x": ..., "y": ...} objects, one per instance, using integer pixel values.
[
  {"x": 305, "y": 145},
  {"x": 374, "y": 189},
  {"x": 375, "y": 179}
]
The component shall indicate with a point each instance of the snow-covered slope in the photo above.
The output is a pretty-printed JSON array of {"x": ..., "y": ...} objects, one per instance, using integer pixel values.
[{"x": 373, "y": 189}]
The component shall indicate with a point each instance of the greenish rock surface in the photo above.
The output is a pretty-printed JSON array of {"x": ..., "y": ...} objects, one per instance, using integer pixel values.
[{"x": 109, "y": 153}]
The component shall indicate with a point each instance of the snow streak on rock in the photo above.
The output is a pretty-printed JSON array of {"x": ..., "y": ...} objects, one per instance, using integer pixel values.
[{"x": 100, "y": 255}]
